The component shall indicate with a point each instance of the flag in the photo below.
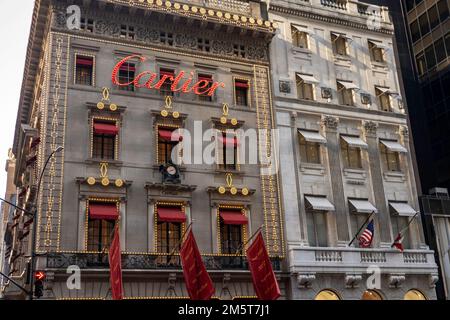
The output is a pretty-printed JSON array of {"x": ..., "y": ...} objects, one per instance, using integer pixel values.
[
  {"x": 115, "y": 265},
  {"x": 366, "y": 238},
  {"x": 264, "y": 279},
  {"x": 198, "y": 283},
  {"x": 398, "y": 242}
]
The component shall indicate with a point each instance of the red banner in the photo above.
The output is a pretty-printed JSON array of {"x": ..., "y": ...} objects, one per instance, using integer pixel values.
[
  {"x": 264, "y": 279},
  {"x": 115, "y": 265},
  {"x": 198, "y": 283}
]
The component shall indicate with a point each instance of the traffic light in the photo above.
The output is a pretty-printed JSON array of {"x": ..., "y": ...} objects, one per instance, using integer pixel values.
[{"x": 39, "y": 277}]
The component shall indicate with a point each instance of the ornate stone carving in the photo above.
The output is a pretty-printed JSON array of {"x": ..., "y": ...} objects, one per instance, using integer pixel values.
[
  {"x": 147, "y": 35},
  {"x": 60, "y": 20},
  {"x": 171, "y": 282},
  {"x": 185, "y": 41},
  {"x": 107, "y": 28},
  {"x": 285, "y": 86},
  {"x": 433, "y": 279},
  {"x": 330, "y": 122},
  {"x": 365, "y": 98},
  {"x": 352, "y": 280},
  {"x": 370, "y": 127},
  {"x": 327, "y": 93},
  {"x": 396, "y": 280},
  {"x": 222, "y": 47},
  {"x": 404, "y": 130},
  {"x": 305, "y": 281},
  {"x": 256, "y": 52}
]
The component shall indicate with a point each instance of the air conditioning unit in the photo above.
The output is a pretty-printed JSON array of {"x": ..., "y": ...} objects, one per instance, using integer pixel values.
[{"x": 439, "y": 192}]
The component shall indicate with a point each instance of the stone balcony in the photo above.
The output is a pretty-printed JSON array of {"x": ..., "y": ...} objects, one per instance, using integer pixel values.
[{"x": 306, "y": 260}]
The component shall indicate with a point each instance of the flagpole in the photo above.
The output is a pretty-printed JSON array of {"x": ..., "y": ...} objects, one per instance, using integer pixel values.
[
  {"x": 248, "y": 241},
  {"x": 360, "y": 229},
  {"x": 178, "y": 245},
  {"x": 407, "y": 227}
]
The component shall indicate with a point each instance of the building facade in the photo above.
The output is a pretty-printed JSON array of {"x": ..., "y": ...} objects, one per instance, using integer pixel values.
[
  {"x": 346, "y": 154},
  {"x": 7, "y": 217},
  {"x": 112, "y": 91}
]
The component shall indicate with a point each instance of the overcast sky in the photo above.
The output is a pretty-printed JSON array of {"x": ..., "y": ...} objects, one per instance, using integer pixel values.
[{"x": 15, "y": 20}]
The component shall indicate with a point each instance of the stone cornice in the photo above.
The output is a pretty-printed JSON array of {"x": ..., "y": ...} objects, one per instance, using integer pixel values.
[{"x": 327, "y": 19}]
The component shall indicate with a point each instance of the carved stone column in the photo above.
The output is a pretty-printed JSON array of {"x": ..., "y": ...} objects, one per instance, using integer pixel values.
[
  {"x": 376, "y": 173},
  {"x": 337, "y": 183}
]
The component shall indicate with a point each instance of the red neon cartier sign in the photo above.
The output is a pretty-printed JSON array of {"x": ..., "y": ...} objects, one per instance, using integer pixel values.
[{"x": 151, "y": 80}]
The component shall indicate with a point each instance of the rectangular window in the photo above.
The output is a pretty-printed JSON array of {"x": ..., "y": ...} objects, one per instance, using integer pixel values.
[
  {"x": 166, "y": 38},
  {"x": 241, "y": 90},
  {"x": 167, "y": 140},
  {"x": 398, "y": 224},
  {"x": 87, "y": 25},
  {"x": 208, "y": 78},
  {"x": 415, "y": 30},
  {"x": 126, "y": 75},
  {"x": 346, "y": 95},
  {"x": 203, "y": 45},
  {"x": 227, "y": 150},
  {"x": 351, "y": 156},
  {"x": 239, "y": 51},
  {"x": 169, "y": 235},
  {"x": 105, "y": 134},
  {"x": 431, "y": 58},
  {"x": 84, "y": 70},
  {"x": 391, "y": 159},
  {"x": 421, "y": 64},
  {"x": 305, "y": 90},
  {"x": 384, "y": 99},
  {"x": 317, "y": 228},
  {"x": 439, "y": 48},
  {"x": 101, "y": 222},
  {"x": 424, "y": 25},
  {"x": 168, "y": 74},
  {"x": 447, "y": 43},
  {"x": 309, "y": 151},
  {"x": 340, "y": 44},
  {"x": 232, "y": 228},
  {"x": 376, "y": 52},
  {"x": 300, "y": 38},
  {"x": 127, "y": 32},
  {"x": 443, "y": 9},
  {"x": 433, "y": 16}
]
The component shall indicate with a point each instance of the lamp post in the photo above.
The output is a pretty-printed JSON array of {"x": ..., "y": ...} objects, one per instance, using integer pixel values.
[{"x": 34, "y": 233}]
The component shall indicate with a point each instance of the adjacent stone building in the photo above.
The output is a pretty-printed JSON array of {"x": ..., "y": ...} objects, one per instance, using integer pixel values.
[
  {"x": 118, "y": 137},
  {"x": 345, "y": 153}
]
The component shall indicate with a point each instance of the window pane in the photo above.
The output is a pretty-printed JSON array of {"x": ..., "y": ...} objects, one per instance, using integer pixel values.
[
  {"x": 433, "y": 16},
  {"x": 409, "y": 4},
  {"x": 312, "y": 239},
  {"x": 424, "y": 25},
  {"x": 439, "y": 48},
  {"x": 443, "y": 9},
  {"x": 321, "y": 228},
  {"x": 415, "y": 31},
  {"x": 447, "y": 43},
  {"x": 231, "y": 236},
  {"x": 99, "y": 234},
  {"x": 421, "y": 64},
  {"x": 431, "y": 59},
  {"x": 241, "y": 96}
]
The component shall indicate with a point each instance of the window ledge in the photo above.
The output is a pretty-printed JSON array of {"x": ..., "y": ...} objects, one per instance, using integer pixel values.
[
  {"x": 355, "y": 174},
  {"x": 111, "y": 162},
  {"x": 381, "y": 65},
  {"x": 301, "y": 50},
  {"x": 314, "y": 169},
  {"x": 341, "y": 58},
  {"x": 394, "y": 176}
]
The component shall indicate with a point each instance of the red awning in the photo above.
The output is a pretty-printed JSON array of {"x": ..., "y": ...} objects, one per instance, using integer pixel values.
[
  {"x": 229, "y": 141},
  {"x": 171, "y": 214},
  {"x": 105, "y": 128},
  {"x": 241, "y": 84},
  {"x": 85, "y": 61},
  {"x": 233, "y": 217},
  {"x": 166, "y": 135},
  {"x": 103, "y": 211}
]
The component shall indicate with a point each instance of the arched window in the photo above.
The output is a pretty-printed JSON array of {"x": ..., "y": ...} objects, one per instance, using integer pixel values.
[
  {"x": 327, "y": 295},
  {"x": 415, "y": 295},
  {"x": 371, "y": 295}
]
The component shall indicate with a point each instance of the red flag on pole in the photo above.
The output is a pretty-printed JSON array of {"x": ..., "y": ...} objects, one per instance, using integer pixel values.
[
  {"x": 115, "y": 265},
  {"x": 264, "y": 279},
  {"x": 198, "y": 283},
  {"x": 398, "y": 242}
]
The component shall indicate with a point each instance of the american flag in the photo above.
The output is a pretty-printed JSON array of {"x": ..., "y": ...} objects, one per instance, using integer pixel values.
[{"x": 366, "y": 238}]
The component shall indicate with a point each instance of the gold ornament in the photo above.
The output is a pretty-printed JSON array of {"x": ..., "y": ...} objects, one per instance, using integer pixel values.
[
  {"x": 100, "y": 106},
  {"x": 235, "y": 17},
  {"x": 159, "y": 3},
  {"x": 234, "y": 191},
  {"x": 222, "y": 190},
  {"x": 275, "y": 25},
  {"x": 252, "y": 20},
  {"x": 202, "y": 10},
  {"x": 223, "y": 120},
  {"x": 219, "y": 14},
  {"x": 119, "y": 183},
  {"x": 177, "y": 6},
  {"x": 245, "y": 191},
  {"x": 176, "y": 114},
  {"x": 267, "y": 23},
  {"x": 113, "y": 107},
  {"x": 259, "y": 22},
  {"x": 164, "y": 113},
  {"x": 227, "y": 16},
  {"x": 105, "y": 182},
  {"x": 234, "y": 122},
  {"x": 91, "y": 181},
  {"x": 211, "y": 12},
  {"x": 244, "y": 19},
  {"x": 194, "y": 9},
  {"x": 168, "y": 4},
  {"x": 185, "y": 7}
]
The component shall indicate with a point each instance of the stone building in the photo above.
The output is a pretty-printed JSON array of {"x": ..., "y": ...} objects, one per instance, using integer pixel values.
[
  {"x": 118, "y": 136},
  {"x": 345, "y": 153}
]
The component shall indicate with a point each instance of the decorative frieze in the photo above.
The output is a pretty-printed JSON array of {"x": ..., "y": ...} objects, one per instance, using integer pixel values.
[{"x": 330, "y": 122}]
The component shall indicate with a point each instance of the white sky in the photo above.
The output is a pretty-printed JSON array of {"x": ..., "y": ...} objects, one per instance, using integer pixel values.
[{"x": 15, "y": 21}]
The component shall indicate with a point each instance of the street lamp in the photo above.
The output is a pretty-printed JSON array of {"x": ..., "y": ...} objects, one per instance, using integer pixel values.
[
  {"x": 35, "y": 226},
  {"x": 33, "y": 214}
]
